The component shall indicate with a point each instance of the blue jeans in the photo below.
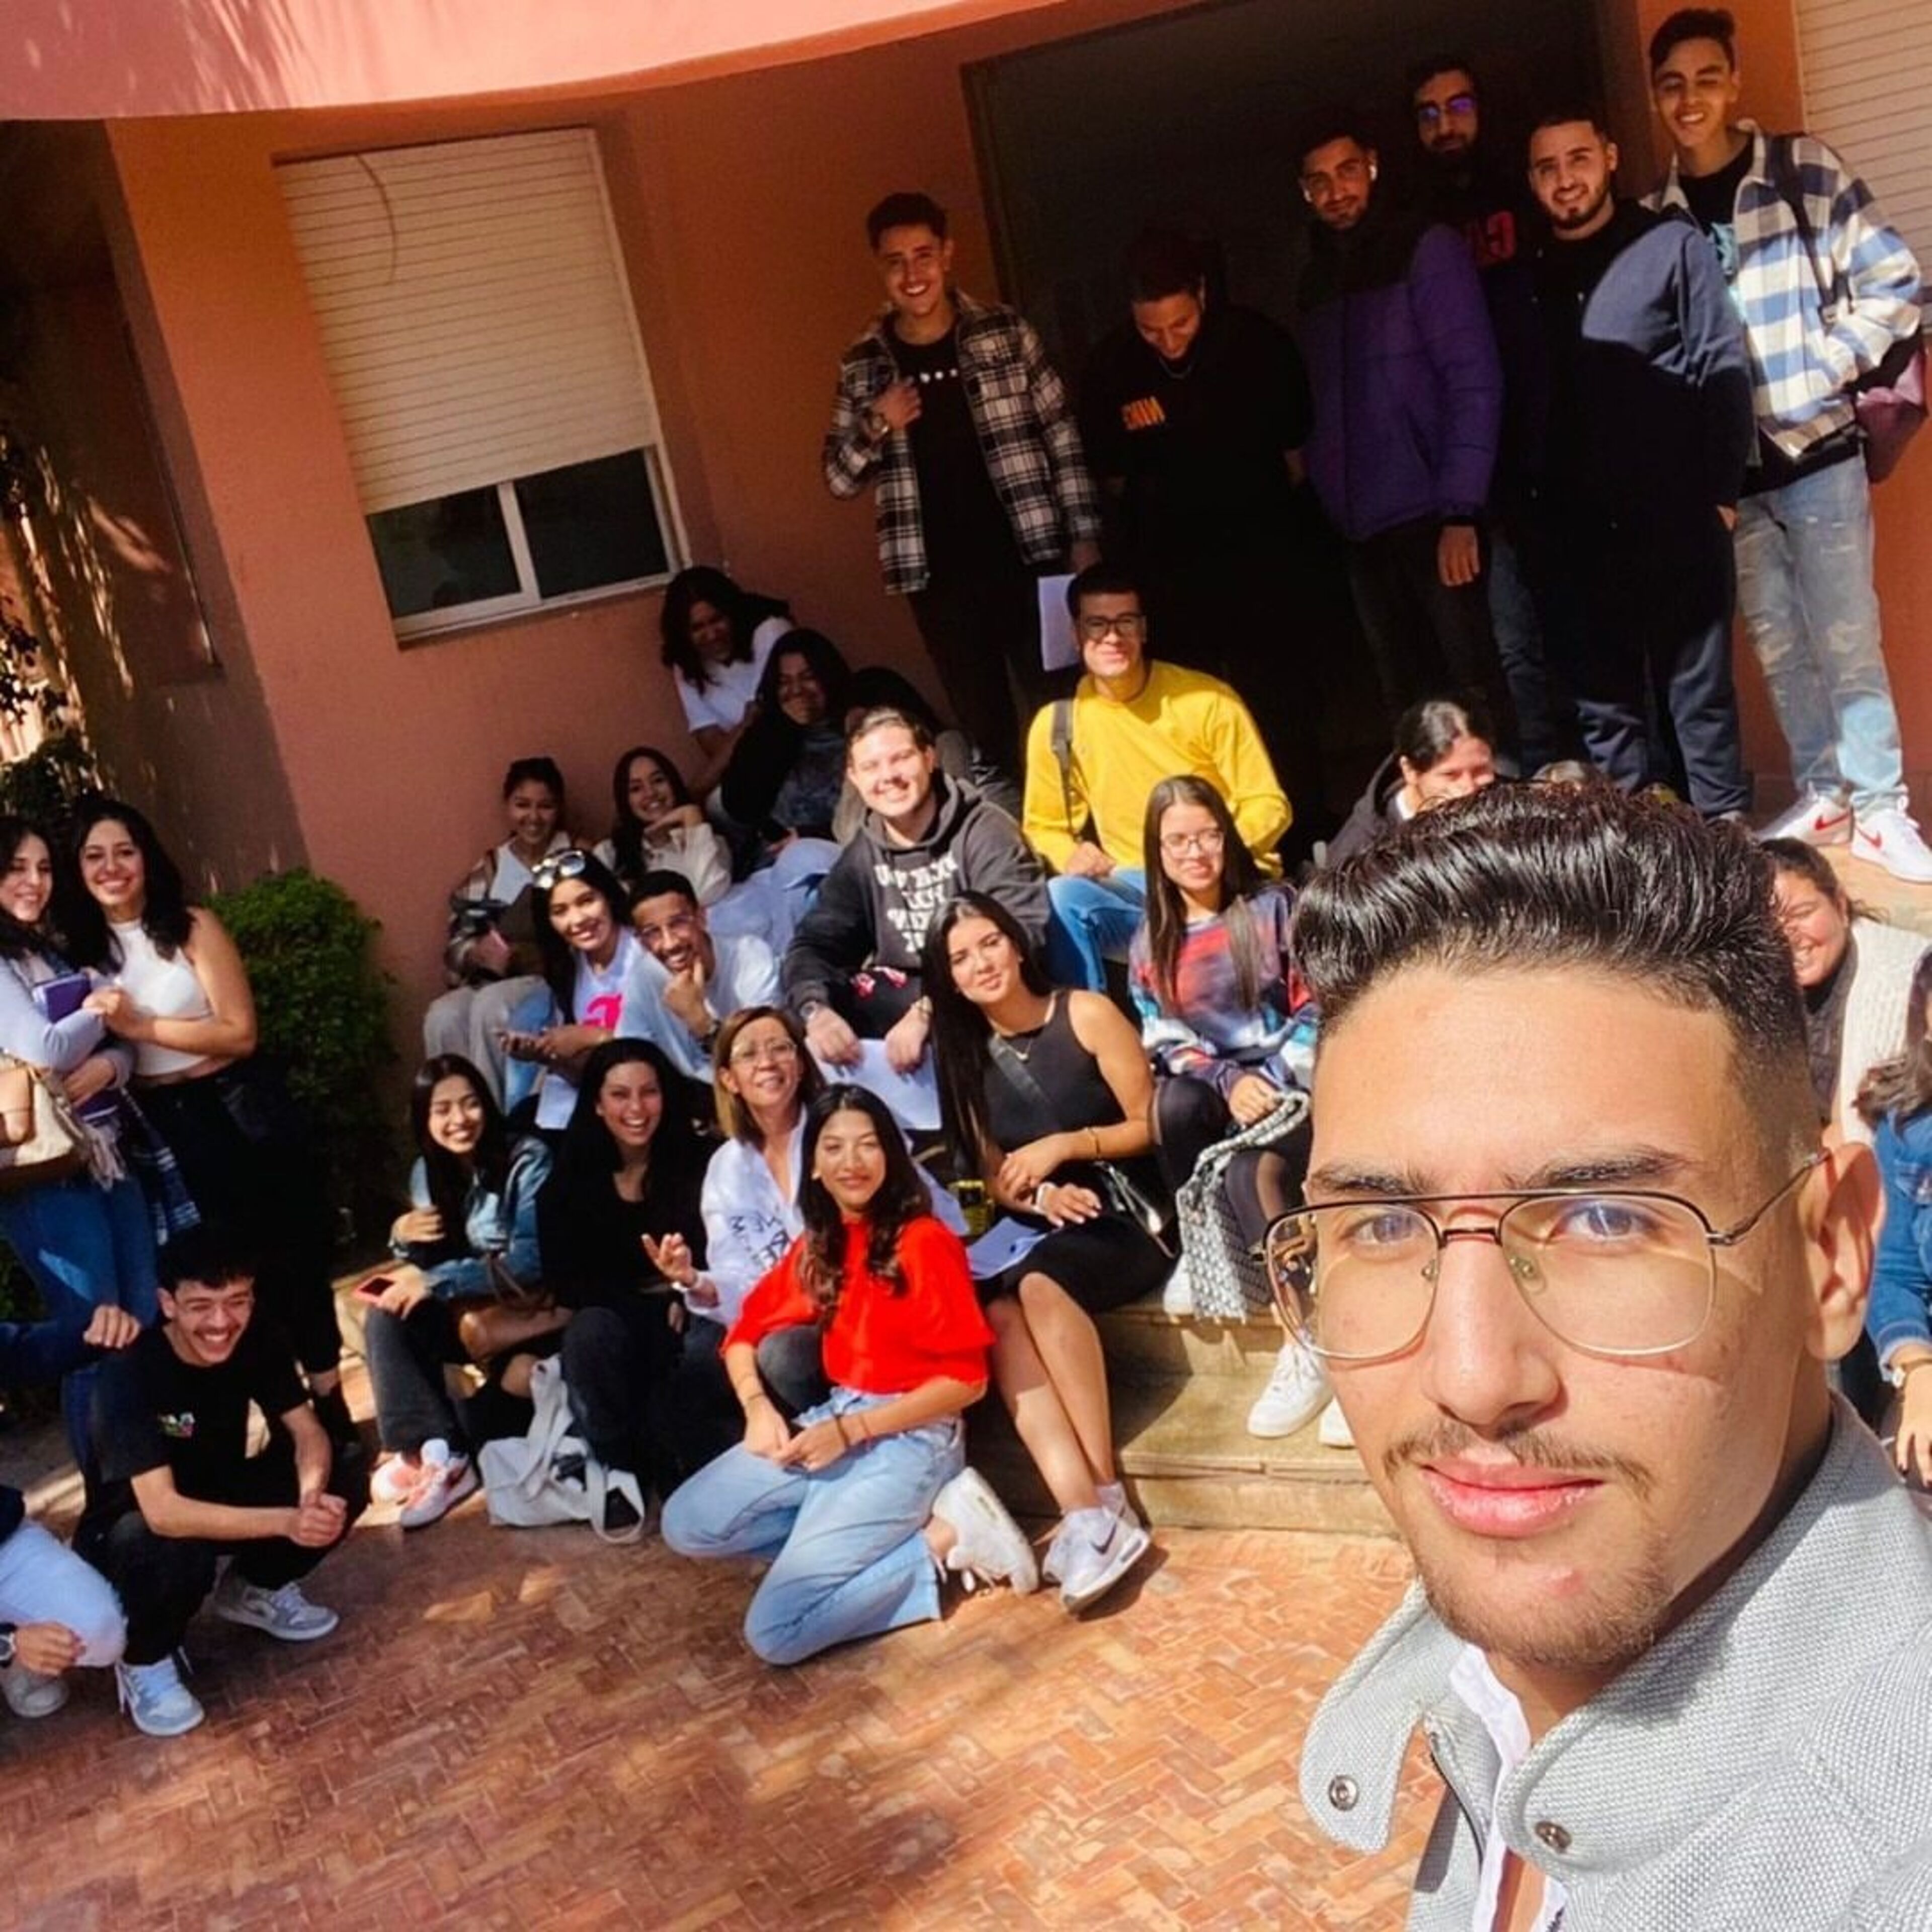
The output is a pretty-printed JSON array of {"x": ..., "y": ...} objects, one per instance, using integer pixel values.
[
  {"x": 1093, "y": 921},
  {"x": 848, "y": 1554},
  {"x": 1804, "y": 585},
  {"x": 85, "y": 1246}
]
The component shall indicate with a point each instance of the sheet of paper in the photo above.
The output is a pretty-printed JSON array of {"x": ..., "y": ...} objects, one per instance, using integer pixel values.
[
  {"x": 1058, "y": 647},
  {"x": 1004, "y": 1243},
  {"x": 914, "y": 1097}
]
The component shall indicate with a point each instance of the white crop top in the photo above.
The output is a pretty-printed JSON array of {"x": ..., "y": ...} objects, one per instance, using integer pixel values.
[{"x": 168, "y": 989}]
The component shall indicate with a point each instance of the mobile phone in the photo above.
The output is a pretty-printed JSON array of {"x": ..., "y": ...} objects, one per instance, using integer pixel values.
[{"x": 371, "y": 1290}]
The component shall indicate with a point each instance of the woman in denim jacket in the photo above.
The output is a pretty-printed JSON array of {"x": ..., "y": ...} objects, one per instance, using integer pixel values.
[
  {"x": 1896, "y": 1099},
  {"x": 468, "y": 1238}
]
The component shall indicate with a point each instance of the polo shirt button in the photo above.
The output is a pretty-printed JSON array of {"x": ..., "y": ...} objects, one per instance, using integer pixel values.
[
  {"x": 1553, "y": 1835},
  {"x": 1343, "y": 1793}
]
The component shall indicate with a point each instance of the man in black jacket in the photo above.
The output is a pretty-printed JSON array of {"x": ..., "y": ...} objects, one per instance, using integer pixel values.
[
  {"x": 1645, "y": 426},
  {"x": 852, "y": 969}
]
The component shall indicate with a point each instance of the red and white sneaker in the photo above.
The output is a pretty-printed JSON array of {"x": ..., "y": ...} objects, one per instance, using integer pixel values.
[
  {"x": 396, "y": 1481},
  {"x": 1823, "y": 818},
  {"x": 1891, "y": 838}
]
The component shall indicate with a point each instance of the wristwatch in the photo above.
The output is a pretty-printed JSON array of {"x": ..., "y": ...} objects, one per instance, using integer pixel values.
[{"x": 7, "y": 1644}]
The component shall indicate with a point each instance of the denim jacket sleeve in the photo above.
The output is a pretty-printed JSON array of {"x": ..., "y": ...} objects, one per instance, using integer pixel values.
[{"x": 1900, "y": 1289}]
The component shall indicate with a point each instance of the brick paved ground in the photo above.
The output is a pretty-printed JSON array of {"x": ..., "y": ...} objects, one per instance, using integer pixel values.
[{"x": 517, "y": 1729}]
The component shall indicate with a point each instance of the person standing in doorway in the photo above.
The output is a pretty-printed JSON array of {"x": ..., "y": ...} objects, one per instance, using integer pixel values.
[
  {"x": 1645, "y": 426},
  {"x": 1408, "y": 411},
  {"x": 1468, "y": 184},
  {"x": 1827, "y": 288},
  {"x": 950, "y": 407},
  {"x": 1193, "y": 413}
]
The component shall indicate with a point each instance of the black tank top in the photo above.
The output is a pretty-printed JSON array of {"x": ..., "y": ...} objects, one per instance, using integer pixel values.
[{"x": 1073, "y": 1089}]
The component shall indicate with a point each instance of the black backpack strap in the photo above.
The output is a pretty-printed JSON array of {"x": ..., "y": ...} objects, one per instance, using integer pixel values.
[
  {"x": 1781, "y": 155},
  {"x": 1062, "y": 756}
]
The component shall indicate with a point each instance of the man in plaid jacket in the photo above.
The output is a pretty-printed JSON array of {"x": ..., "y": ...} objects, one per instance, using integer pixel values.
[
  {"x": 952, "y": 408},
  {"x": 1821, "y": 309}
]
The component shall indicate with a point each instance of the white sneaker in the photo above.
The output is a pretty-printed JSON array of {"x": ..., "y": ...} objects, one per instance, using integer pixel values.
[
  {"x": 443, "y": 1484},
  {"x": 1821, "y": 818},
  {"x": 1296, "y": 1389},
  {"x": 1891, "y": 838},
  {"x": 156, "y": 1699},
  {"x": 31, "y": 1693},
  {"x": 989, "y": 1546},
  {"x": 284, "y": 1613},
  {"x": 1335, "y": 1432},
  {"x": 1177, "y": 1297},
  {"x": 1093, "y": 1551},
  {"x": 1114, "y": 1500},
  {"x": 396, "y": 1480}
]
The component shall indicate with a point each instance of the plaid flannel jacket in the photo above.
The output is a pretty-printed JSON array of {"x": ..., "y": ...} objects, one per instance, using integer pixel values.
[
  {"x": 1805, "y": 354},
  {"x": 1026, "y": 432}
]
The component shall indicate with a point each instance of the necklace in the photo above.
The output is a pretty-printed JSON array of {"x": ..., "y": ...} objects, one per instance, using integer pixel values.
[{"x": 1024, "y": 1053}]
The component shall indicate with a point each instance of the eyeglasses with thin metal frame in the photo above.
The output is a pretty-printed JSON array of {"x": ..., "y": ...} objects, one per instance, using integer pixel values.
[
  {"x": 1294, "y": 1241},
  {"x": 1430, "y": 113},
  {"x": 1184, "y": 844},
  {"x": 1128, "y": 624},
  {"x": 763, "y": 1053},
  {"x": 559, "y": 866}
]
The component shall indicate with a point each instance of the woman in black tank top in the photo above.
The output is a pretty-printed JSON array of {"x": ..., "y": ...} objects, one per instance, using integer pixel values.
[{"x": 1046, "y": 1092}]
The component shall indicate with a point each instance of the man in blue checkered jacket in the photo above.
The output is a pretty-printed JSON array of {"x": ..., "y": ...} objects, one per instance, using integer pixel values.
[
  {"x": 951, "y": 408},
  {"x": 1826, "y": 288}
]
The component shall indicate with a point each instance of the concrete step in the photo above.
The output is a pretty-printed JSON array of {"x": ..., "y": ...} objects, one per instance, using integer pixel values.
[
  {"x": 1144, "y": 1344},
  {"x": 1189, "y": 1461}
]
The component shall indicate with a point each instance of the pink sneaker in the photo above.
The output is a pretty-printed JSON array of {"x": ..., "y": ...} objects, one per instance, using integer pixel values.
[{"x": 397, "y": 1479}]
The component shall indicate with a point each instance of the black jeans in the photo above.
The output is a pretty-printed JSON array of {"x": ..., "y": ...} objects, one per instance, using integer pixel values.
[
  {"x": 1427, "y": 640},
  {"x": 791, "y": 1365},
  {"x": 619, "y": 1359},
  {"x": 1639, "y": 621},
  {"x": 981, "y": 627},
  {"x": 407, "y": 1354},
  {"x": 162, "y": 1580},
  {"x": 250, "y": 1161},
  {"x": 1260, "y": 1183}
]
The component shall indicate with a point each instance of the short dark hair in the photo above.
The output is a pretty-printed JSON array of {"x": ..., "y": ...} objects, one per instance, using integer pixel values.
[
  {"x": 1102, "y": 580},
  {"x": 1426, "y": 733},
  {"x": 1426, "y": 71},
  {"x": 1336, "y": 121},
  {"x": 1162, "y": 261},
  {"x": 1695, "y": 23},
  {"x": 1520, "y": 877},
  {"x": 908, "y": 208},
  {"x": 1561, "y": 113},
  {"x": 659, "y": 883},
  {"x": 535, "y": 771},
  {"x": 210, "y": 1255},
  {"x": 887, "y": 717}
]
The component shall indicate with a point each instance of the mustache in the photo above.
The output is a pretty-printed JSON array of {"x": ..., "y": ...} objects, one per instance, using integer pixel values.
[{"x": 1531, "y": 1448}]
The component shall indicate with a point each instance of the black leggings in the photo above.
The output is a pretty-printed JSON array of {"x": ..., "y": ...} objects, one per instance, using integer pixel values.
[
  {"x": 252, "y": 1164},
  {"x": 1190, "y": 1117}
]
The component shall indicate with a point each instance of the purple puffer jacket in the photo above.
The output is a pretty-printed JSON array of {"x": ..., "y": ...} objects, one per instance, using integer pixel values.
[{"x": 1401, "y": 359}]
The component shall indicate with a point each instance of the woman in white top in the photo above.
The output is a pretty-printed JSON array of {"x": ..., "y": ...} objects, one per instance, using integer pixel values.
[
  {"x": 490, "y": 972},
  {"x": 178, "y": 994},
  {"x": 595, "y": 970},
  {"x": 716, "y": 639},
  {"x": 659, "y": 827}
]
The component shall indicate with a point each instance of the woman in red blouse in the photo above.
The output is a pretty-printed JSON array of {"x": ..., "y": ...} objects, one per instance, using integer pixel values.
[{"x": 863, "y": 1504}]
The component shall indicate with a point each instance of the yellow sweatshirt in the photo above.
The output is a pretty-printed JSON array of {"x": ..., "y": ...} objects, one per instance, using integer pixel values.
[{"x": 1183, "y": 721}]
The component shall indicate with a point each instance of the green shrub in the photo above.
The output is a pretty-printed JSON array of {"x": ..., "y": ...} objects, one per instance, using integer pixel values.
[
  {"x": 43, "y": 786},
  {"x": 323, "y": 1007}
]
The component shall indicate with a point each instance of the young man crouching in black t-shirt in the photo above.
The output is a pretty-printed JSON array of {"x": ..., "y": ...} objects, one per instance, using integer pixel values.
[{"x": 171, "y": 1486}]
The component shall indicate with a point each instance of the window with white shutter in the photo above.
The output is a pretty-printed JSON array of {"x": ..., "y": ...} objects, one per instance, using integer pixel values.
[
  {"x": 1867, "y": 67},
  {"x": 479, "y": 330}
]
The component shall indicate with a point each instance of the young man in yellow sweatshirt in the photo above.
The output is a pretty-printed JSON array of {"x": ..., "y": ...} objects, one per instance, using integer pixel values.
[{"x": 1092, "y": 760}]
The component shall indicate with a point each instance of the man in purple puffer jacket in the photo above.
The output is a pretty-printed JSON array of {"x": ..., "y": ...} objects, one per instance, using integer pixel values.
[{"x": 1407, "y": 409}]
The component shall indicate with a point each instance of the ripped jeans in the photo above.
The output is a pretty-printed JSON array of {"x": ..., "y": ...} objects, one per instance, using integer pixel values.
[{"x": 1804, "y": 586}]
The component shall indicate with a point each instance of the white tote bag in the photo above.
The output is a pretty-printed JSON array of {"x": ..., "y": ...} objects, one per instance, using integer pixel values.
[{"x": 521, "y": 1485}]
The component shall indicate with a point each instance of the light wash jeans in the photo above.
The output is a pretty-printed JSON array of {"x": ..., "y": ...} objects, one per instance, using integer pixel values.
[
  {"x": 848, "y": 1555},
  {"x": 1804, "y": 586},
  {"x": 43, "y": 1582},
  {"x": 85, "y": 1246},
  {"x": 1092, "y": 921}
]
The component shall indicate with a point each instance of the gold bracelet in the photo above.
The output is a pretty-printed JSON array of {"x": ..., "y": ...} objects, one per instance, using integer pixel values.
[
  {"x": 1095, "y": 1132},
  {"x": 838, "y": 1423},
  {"x": 747, "y": 1397}
]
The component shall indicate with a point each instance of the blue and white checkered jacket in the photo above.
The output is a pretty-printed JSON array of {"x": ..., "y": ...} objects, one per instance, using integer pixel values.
[
  {"x": 1806, "y": 355},
  {"x": 1026, "y": 430}
]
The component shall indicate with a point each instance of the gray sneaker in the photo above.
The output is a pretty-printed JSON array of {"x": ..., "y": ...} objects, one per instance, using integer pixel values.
[
  {"x": 1093, "y": 1550},
  {"x": 156, "y": 1699},
  {"x": 284, "y": 1613},
  {"x": 990, "y": 1548}
]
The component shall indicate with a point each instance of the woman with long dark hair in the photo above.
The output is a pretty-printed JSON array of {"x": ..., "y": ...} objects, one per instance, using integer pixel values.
[
  {"x": 658, "y": 827},
  {"x": 785, "y": 777},
  {"x": 1444, "y": 749},
  {"x": 627, "y": 1177},
  {"x": 716, "y": 638},
  {"x": 178, "y": 994},
  {"x": 1231, "y": 1032},
  {"x": 463, "y": 1287},
  {"x": 86, "y": 1241},
  {"x": 865, "y": 1505},
  {"x": 1895, "y": 1101},
  {"x": 1046, "y": 1095}
]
